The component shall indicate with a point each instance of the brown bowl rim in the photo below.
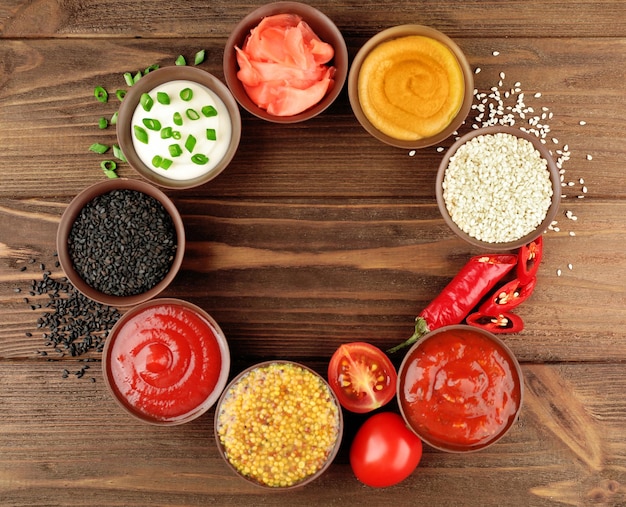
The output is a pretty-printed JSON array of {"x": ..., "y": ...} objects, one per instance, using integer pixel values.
[
  {"x": 324, "y": 28},
  {"x": 67, "y": 221},
  {"x": 151, "y": 81},
  {"x": 396, "y": 32},
  {"x": 458, "y": 448},
  {"x": 219, "y": 386},
  {"x": 554, "y": 178},
  {"x": 332, "y": 455}
]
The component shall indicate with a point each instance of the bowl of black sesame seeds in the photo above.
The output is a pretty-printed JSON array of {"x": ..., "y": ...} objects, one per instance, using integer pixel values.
[
  {"x": 121, "y": 242},
  {"x": 498, "y": 188}
]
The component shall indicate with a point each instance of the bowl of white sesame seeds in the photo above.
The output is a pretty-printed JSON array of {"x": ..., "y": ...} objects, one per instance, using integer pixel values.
[
  {"x": 498, "y": 188},
  {"x": 278, "y": 425}
]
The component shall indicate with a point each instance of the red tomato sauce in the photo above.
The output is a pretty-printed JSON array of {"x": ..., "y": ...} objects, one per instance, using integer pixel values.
[
  {"x": 165, "y": 361},
  {"x": 460, "y": 389}
]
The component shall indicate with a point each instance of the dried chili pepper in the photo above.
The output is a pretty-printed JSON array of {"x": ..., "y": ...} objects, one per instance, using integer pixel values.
[
  {"x": 507, "y": 297},
  {"x": 461, "y": 295},
  {"x": 529, "y": 258},
  {"x": 505, "y": 322}
]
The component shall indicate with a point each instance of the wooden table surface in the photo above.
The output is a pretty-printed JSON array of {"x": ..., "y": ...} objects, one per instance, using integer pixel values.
[{"x": 316, "y": 235}]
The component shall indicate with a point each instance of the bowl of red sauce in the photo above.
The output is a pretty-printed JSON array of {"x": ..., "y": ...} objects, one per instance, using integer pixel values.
[
  {"x": 285, "y": 62},
  {"x": 166, "y": 361},
  {"x": 460, "y": 388}
]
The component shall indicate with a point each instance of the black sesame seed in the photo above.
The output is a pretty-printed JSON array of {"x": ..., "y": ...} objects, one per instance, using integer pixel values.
[{"x": 122, "y": 243}]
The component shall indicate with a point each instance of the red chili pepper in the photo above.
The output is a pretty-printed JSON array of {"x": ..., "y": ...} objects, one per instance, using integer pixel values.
[
  {"x": 497, "y": 322},
  {"x": 461, "y": 295},
  {"x": 529, "y": 259},
  {"x": 507, "y": 297}
]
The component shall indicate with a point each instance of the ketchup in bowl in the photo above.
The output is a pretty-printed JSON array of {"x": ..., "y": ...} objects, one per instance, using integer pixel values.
[
  {"x": 166, "y": 361},
  {"x": 460, "y": 388}
]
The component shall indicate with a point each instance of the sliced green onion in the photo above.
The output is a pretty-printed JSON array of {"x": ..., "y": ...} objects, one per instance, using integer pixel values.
[
  {"x": 108, "y": 165},
  {"x": 141, "y": 134},
  {"x": 199, "y": 58},
  {"x": 177, "y": 135},
  {"x": 99, "y": 148},
  {"x": 137, "y": 77},
  {"x": 211, "y": 135},
  {"x": 152, "y": 67},
  {"x": 117, "y": 153},
  {"x": 186, "y": 94},
  {"x": 181, "y": 60},
  {"x": 190, "y": 143},
  {"x": 175, "y": 150},
  {"x": 163, "y": 98},
  {"x": 166, "y": 133},
  {"x": 200, "y": 159},
  {"x": 103, "y": 123},
  {"x": 178, "y": 119},
  {"x": 101, "y": 94},
  {"x": 113, "y": 119},
  {"x": 152, "y": 124},
  {"x": 156, "y": 160},
  {"x": 128, "y": 77},
  {"x": 110, "y": 174},
  {"x": 120, "y": 94},
  {"x": 192, "y": 114},
  {"x": 209, "y": 111},
  {"x": 146, "y": 102},
  {"x": 166, "y": 163}
]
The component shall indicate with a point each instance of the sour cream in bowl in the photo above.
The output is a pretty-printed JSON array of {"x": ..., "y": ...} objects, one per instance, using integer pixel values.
[{"x": 179, "y": 127}]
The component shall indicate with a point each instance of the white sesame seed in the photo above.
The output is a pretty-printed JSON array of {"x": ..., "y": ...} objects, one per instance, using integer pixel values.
[
  {"x": 570, "y": 267},
  {"x": 581, "y": 181},
  {"x": 440, "y": 149},
  {"x": 477, "y": 70},
  {"x": 584, "y": 190},
  {"x": 555, "y": 140},
  {"x": 412, "y": 153},
  {"x": 537, "y": 95},
  {"x": 558, "y": 272},
  {"x": 582, "y": 122},
  {"x": 589, "y": 157},
  {"x": 572, "y": 233},
  {"x": 496, "y": 53}
]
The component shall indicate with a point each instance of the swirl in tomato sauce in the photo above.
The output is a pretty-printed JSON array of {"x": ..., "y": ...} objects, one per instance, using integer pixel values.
[{"x": 165, "y": 362}]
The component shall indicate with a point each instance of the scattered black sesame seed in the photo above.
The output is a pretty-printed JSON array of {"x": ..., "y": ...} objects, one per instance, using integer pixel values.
[{"x": 23, "y": 268}]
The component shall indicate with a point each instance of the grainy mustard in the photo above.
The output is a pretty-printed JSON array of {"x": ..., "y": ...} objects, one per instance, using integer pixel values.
[{"x": 278, "y": 424}]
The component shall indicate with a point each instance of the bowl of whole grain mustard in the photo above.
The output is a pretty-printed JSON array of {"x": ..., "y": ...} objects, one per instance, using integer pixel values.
[
  {"x": 278, "y": 425},
  {"x": 498, "y": 188},
  {"x": 410, "y": 86}
]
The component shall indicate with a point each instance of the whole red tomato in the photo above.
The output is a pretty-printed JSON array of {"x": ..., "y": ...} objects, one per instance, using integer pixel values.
[
  {"x": 362, "y": 377},
  {"x": 384, "y": 451}
]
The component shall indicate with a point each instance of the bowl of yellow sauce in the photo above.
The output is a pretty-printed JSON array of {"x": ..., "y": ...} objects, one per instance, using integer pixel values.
[{"x": 410, "y": 86}]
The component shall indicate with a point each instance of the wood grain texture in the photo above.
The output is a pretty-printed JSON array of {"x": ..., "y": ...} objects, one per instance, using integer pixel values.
[{"x": 315, "y": 235}]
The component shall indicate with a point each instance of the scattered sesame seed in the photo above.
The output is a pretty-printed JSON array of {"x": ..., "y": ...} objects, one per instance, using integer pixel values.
[
  {"x": 412, "y": 153},
  {"x": 477, "y": 70},
  {"x": 537, "y": 95},
  {"x": 496, "y": 53},
  {"x": 570, "y": 267},
  {"x": 582, "y": 122},
  {"x": 558, "y": 272},
  {"x": 572, "y": 233},
  {"x": 589, "y": 157},
  {"x": 584, "y": 190},
  {"x": 440, "y": 149}
]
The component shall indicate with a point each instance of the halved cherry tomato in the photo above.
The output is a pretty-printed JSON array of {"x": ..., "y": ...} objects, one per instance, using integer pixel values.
[
  {"x": 362, "y": 377},
  {"x": 384, "y": 451}
]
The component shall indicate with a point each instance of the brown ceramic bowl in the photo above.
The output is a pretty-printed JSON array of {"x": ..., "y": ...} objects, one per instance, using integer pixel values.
[
  {"x": 70, "y": 216},
  {"x": 451, "y": 387},
  {"x": 219, "y": 159},
  {"x": 319, "y": 23},
  {"x": 529, "y": 236},
  {"x": 279, "y": 420},
  {"x": 397, "y": 32},
  {"x": 166, "y": 362}
]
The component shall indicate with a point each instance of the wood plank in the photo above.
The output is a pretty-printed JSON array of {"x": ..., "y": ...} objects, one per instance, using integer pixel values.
[
  {"x": 515, "y": 18},
  {"x": 67, "y": 441},
  {"x": 47, "y": 110},
  {"x": 314, "y": 275}
]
